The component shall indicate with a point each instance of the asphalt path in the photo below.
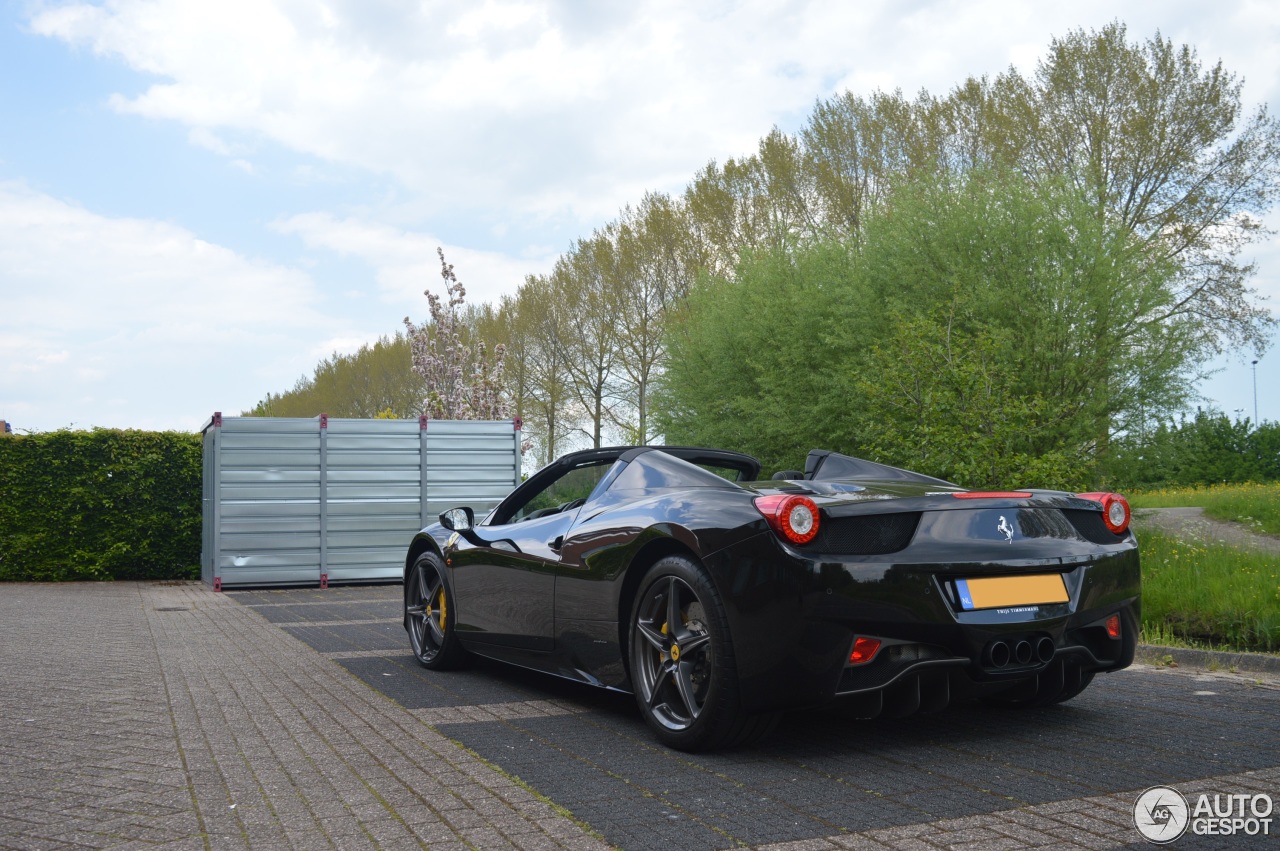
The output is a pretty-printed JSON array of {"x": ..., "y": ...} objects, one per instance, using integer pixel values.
[
  {"x": 970, "y": 776},
  {"x": 1194, "y": 524}
]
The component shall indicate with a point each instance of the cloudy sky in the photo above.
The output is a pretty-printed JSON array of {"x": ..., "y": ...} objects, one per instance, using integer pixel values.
[{"x": 199, "y": 200}]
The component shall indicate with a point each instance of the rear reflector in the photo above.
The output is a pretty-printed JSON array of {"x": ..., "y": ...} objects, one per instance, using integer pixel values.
[
  {"x": 993, "y": 495},
  {"x": 864, "y": 650},
  {"x": 1113, "y": 626}
]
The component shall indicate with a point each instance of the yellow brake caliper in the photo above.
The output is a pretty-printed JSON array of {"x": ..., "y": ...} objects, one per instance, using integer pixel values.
[{"x": 675, "y": 648}]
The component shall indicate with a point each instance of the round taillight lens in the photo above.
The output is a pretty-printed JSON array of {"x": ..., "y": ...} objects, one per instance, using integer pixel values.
[
  {"x": 802, "y": 520},
  {"x": 1116, "y": 513},
  {"x": 1115, "y": 510},
  {"x": 793, "y": 517}
]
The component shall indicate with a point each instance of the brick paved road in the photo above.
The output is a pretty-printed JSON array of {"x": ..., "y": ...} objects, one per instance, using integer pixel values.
[
  {"x": 139, "y": 715},
  {"x": 168, "y": 715},
  {"x": 968, "y": 777}
]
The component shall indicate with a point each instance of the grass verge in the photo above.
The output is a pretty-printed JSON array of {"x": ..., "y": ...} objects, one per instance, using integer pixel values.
[
  {"x": 1209, "y": 595},
  {"x": 1257, "y": 506}
]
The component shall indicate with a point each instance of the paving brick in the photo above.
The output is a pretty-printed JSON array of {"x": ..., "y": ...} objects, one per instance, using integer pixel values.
[
  {"x": 176, "y": 716},
  {"x": 1025, "y": 836},
  {"x": 279, "y": 702},
  {"x": 859, "y": 842},
  {"x": 800, "y": 845}
]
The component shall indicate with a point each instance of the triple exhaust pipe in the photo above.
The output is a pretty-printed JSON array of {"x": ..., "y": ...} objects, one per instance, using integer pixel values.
[{"x": 1021, "y": 652}]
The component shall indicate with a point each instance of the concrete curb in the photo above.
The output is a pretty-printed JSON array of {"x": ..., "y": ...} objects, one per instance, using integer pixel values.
[{"x": 1186, "y": 657}]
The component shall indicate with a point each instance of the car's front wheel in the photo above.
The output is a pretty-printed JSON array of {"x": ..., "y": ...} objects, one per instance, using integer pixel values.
[
  {"x": 427, "y": 607},
  {"x": 682, "y": 663}
]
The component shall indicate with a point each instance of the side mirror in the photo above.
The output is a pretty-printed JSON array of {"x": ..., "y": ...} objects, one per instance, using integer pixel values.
[{"x": 458, "y": 519}]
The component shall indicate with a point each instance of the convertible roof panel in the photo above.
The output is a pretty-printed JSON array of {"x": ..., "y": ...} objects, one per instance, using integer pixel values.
[
  {"x": 824, "y": 465},
  {"x": 657, "y": 469}
]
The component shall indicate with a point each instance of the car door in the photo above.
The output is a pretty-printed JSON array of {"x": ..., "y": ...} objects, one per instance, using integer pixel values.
[
  {"x": 506, "y": 588},
  {"x": 504, "y": 578}
]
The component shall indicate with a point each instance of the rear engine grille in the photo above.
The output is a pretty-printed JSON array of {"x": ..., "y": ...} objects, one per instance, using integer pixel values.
[
  {"x": 1046, "y": 523},
  {"x": 1091, "y": 525},
  {"x": 866, "y": 535}
]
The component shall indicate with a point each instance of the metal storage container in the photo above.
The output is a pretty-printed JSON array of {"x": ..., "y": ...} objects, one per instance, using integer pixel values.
[{"x": 314, "y": 501}]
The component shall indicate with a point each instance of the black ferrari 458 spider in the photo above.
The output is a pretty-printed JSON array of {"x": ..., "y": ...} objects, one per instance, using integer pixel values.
[{"x": 720, "y": 600}]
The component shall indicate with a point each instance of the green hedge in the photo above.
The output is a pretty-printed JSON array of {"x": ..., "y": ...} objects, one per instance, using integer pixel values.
[{"x": 101, "y": 504}]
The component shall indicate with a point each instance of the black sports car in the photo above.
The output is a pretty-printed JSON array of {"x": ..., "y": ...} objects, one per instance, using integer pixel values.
[{"x": 721, "y": 600}]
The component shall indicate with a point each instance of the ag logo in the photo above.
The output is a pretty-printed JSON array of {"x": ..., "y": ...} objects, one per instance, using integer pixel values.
[{"x": 1161, "y": 814}]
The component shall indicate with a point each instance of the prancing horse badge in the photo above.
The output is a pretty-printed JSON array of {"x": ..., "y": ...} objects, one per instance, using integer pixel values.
[{"x": 1006, "y": 529}]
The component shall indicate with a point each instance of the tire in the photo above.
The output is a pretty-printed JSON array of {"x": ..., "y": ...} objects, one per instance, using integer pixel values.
[
  {"x": 1058, "y": 683},
  {"x": 685, "y": 677},
  {"x": 428, "y": 603}
]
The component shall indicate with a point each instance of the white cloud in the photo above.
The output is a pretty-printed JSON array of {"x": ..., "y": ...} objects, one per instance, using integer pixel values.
[
  {"x": 343, "y": 345},
  {"x": 103, "y": 316},
  {"x": 203, "y": 137},
  {"x": 497, "y": 121},
  {"x": 555, "y": 108},
  {"x": 406, "y": 263}
]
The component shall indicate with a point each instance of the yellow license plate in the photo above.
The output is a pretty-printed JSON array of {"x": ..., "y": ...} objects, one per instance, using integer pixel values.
[{"x": 996, "y": 592}]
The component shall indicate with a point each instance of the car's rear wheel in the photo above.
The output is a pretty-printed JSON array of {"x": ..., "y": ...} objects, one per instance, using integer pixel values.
[
  {"x": 682, "y": 662},
  {"x": 427, "y": 608}
]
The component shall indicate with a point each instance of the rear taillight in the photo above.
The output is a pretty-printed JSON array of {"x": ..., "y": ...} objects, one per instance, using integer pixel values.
[
  {"x": 1115, "y": 510},
  {"x": 1113, "y": 626},
  {"x": 793, "y": 517}
]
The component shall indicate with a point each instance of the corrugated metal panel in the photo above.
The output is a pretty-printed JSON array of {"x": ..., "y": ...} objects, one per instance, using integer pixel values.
[
  {"x": 373, "y": 489},
  {"x": 209, "y": 513},
  {"x": 287, "y": 501},
  {"x": 269, "y": 484},
  {"x": 470, "y": 463}
]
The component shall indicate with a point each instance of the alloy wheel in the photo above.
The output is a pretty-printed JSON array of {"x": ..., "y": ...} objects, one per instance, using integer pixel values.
[{"x": 672, "y": 653}]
